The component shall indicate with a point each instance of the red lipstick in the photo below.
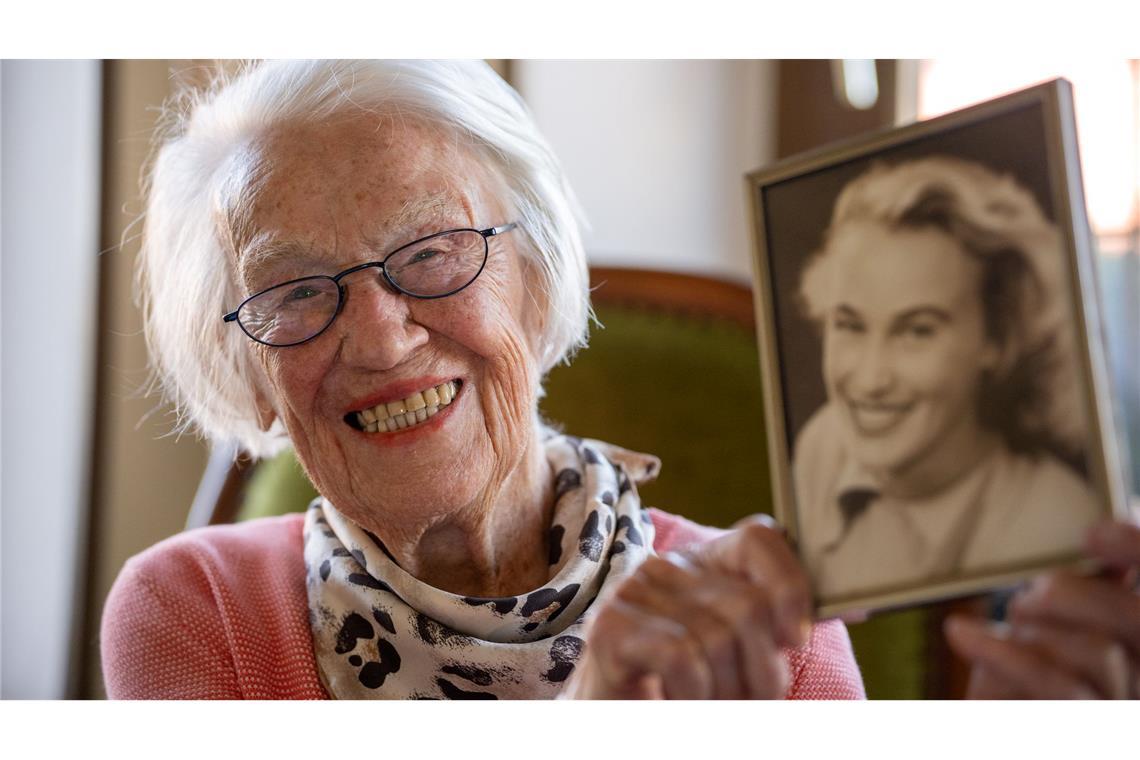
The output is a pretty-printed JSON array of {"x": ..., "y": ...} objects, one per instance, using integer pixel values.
[{"x": 398, "y": 390}]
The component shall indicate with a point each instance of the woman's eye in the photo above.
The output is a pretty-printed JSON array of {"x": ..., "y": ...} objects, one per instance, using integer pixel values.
[
  {"x": 424, "y": 255},
  {"x": 846, "y": 324},
  {"x": 920, "y": 331},
  {"x": 300, "y": 293}
]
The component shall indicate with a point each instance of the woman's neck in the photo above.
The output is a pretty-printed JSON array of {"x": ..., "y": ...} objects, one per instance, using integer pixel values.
[{"x": 495, "y": 546}]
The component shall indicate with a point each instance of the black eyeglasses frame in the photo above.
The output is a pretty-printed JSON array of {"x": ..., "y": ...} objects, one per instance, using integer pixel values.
[{"x": 487, "y": 233}]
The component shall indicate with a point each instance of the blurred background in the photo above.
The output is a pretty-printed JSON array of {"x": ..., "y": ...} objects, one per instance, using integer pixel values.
[{"x": 656, "y": 151}]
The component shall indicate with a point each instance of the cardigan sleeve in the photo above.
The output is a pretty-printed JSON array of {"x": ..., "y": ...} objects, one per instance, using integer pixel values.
[
  {"x": 824, "y": 668},
  {"x": 161, "y": 629}
]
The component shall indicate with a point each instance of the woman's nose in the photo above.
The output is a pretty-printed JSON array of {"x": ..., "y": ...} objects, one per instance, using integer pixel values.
[
  {"x": 873, "y": 373},
  {"x": 375, "y": 324}
]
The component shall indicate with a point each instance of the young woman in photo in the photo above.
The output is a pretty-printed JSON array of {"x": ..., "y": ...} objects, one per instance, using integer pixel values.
[{"x": 953, "y": 434}]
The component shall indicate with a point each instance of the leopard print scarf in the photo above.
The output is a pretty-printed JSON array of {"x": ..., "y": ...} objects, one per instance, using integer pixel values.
[{"x": 380, "y": 633}]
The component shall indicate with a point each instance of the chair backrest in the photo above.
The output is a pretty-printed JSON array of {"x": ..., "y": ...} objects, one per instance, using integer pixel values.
[{"x": 673, "y": 371}]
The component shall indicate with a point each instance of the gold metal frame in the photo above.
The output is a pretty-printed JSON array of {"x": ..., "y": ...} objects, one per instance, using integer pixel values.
[{"x": 1105, "y": 466}]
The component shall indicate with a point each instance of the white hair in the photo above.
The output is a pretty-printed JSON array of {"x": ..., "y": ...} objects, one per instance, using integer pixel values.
[{"x": 198, "y": 191}]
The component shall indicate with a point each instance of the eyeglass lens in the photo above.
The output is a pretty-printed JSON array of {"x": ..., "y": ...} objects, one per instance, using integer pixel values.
[
  {"x": 291, "y": 312},
  {"x": 439, "y": 265},
  {"x": 297, "y": 311}
]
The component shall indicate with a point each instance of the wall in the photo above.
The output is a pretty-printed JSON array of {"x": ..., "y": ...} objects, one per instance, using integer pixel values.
[
  {"x": 50, "y": 239},
  {"x": 657, "y": 152}
]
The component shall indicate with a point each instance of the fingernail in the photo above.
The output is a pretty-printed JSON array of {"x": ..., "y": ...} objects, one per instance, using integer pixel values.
[{"x": 797, "y": 622}]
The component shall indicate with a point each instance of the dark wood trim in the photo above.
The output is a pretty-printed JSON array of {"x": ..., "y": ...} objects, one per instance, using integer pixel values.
[
  {"x": 232, "y": 490},
  {"x": 85, "y": 644},
  {"x": 504, "y": 67},
  {"x": 810, "y": 114}
]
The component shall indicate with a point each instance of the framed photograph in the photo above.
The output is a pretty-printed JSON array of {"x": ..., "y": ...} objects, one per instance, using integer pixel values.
[{"x": 938, "y": 412}]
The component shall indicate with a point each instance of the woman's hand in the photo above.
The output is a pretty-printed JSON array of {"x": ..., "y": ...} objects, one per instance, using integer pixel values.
[
  {"x": 703, "y": 624},
  {"x": 1068, "y": 636}
]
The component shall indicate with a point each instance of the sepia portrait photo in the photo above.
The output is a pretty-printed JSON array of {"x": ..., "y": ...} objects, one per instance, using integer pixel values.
[{"x": 935, "y": 402}]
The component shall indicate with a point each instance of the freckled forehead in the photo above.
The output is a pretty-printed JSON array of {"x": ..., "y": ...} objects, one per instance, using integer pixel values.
[
  {"x": 355, "y": 160},
  {"x": 340, "y": 185}
]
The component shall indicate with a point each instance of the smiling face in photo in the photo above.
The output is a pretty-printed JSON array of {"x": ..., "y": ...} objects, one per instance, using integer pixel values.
[{"x": 905, "y": 349}]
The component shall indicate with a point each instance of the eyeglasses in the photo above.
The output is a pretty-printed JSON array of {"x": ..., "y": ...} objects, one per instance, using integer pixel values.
[{"x": 299, "y": 310}]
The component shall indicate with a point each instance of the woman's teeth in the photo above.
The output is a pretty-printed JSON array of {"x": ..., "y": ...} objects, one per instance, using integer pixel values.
[
  {"x": 873, "y": 419},
  {"x": 408, "y": 412}
]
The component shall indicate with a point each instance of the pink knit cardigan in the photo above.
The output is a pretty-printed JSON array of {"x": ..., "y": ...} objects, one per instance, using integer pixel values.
[{"x": 222, "y": 613}]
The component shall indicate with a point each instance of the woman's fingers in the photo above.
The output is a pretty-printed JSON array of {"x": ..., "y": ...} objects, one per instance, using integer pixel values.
[
  {"x": 987, "y": 685},
  {"x": 729, "y": 618},
  {"x": 1086, "y": 603},
  {"x": 1037, "y": 661},
  {"x": 1069, "y": 634},
  {"x": 741, "y": 611},
  {"x": 1098, "y": 660},
  {"x": 757, "y": 551},
  {"x": 668, "y": 589},
  {"x": 1115, "y": 543},
  {"x": 633, "y": 652},
  {"x": 1014, "y": 667},
  {"x": 765, "y": 668},
  {"x": 708, "y": 623}
]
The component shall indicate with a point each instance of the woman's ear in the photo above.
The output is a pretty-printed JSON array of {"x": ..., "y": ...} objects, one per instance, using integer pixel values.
[
  {"x": 262, "y": 395},
  {"x": 263, "y": 405},
  {"x": 534, "y": 304},
  {"x": 266, "y": 415}
]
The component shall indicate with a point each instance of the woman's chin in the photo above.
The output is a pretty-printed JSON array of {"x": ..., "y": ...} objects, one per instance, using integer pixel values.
[
  {"x": 887, "y": 460},
  {"x": 418, "y": 497}
]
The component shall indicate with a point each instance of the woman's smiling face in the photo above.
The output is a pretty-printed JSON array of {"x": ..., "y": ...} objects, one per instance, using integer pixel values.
[
  {"x": 343, "y": 193},
  {"x": 905, "y": 348}
]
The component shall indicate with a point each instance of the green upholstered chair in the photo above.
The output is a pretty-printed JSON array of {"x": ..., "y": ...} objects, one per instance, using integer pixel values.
[{"x": 674, "y": 371}]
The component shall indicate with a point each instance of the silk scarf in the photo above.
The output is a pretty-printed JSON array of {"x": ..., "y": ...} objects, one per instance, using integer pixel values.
[{"x": 379, "y": 633}]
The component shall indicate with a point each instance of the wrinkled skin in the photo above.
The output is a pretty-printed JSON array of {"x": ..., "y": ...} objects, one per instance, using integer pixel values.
[
  {"x": 464, "y": 506},
  {"x": 703, "y": 624},
  {"x": 1067, "y": 636}
]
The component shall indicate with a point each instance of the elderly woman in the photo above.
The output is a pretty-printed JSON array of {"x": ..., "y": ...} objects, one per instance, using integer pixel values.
[
  {"x": 375, "y": 263},
  {"x": 951, "y": 380}
]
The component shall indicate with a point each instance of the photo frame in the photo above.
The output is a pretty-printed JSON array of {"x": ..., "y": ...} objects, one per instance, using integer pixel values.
[{"x": 936, "y": 391}]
